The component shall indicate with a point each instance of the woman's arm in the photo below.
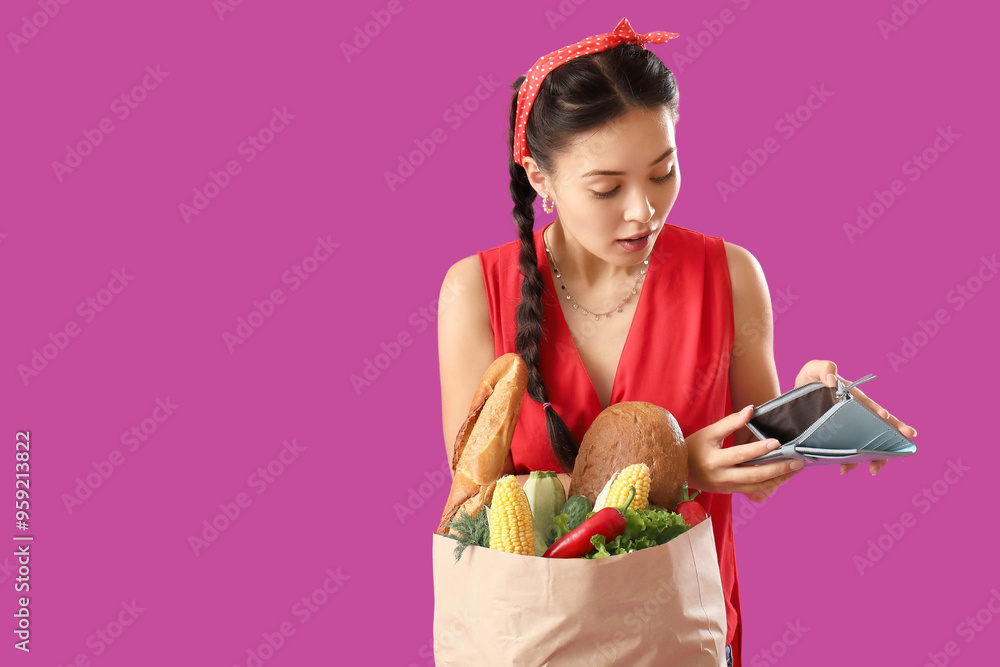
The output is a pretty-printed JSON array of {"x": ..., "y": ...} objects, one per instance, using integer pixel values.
[
  {"x": 753, "y": 377},
  {"x": 465, "y": 343}
]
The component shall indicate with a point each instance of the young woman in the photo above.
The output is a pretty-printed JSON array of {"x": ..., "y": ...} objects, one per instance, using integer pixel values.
[{"x": 609, "y": 302}]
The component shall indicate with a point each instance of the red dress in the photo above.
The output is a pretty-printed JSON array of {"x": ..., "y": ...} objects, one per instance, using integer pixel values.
[{"x": 676, "y": 355}]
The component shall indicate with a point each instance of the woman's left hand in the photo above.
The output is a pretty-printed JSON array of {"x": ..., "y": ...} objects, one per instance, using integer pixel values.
[{"x": 826, "y": 372}]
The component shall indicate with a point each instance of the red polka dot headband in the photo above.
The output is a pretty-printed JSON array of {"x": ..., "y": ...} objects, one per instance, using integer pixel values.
[{"x": 622, "y": 34}]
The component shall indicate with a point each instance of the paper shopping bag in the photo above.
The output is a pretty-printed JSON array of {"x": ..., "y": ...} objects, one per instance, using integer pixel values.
[{"x": 657, "y": 606}]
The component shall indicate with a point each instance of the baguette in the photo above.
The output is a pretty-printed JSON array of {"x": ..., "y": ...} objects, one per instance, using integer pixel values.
[{"x": 483, "y": 442}]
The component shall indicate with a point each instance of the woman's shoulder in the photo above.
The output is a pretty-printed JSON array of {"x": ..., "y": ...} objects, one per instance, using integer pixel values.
[
  {"x": 743, "y": 266},
  {"x": 464, "y": 279}
]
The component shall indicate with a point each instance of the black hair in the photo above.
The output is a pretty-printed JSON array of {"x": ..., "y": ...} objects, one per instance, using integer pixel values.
[{"x": 581, "y": 94}]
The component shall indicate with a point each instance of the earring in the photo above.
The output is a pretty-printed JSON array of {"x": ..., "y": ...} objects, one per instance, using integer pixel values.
[{"x": 545, "y": 207}]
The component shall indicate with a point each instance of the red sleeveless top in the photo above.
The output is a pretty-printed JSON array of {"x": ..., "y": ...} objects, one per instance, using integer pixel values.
[{"x": 676, "y": 355}]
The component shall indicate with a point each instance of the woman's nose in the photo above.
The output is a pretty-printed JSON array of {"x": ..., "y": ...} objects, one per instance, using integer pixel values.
[{"x": 639, "y": 207}]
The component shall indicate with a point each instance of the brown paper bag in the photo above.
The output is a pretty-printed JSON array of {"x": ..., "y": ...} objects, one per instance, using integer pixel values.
[{"x": 657, "y": 606}]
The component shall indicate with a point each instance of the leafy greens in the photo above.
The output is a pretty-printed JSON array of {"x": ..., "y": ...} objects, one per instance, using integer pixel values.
[{"x": 645, "y": 528}]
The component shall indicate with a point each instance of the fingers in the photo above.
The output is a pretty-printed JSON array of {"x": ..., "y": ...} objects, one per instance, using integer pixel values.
[
  {"x": 751, "y": 479},
  {"x": 737, "y": 454},
  {"x": 875, "y": 466},
  {"x": 905, "y": 429},
  {"x": 764, "y": 490},
  {"x": 722, "y": 429},
  {"x": 815, "y": 370}
]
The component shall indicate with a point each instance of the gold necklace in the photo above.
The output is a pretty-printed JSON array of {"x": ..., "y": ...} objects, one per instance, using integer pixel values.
[{"x": 576, "y": 304}]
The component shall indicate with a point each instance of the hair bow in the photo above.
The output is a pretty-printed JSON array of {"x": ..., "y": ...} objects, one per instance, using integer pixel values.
[{"x": 623, "y": 33}]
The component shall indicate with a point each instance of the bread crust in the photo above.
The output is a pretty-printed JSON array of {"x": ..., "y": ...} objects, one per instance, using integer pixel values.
[
  {"x": 484, "y": 439},
  {"x": 627, "y": 433}
]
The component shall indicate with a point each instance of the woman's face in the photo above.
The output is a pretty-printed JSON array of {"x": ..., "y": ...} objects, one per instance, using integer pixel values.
[{"x": 615, "y": 184}]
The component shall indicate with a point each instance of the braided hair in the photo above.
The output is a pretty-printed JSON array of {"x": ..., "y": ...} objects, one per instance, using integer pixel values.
[{"x": 579, "y": 95}]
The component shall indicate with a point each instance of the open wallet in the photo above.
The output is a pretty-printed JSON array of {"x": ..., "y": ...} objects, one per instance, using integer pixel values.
[{"x": 817, "y": 424}]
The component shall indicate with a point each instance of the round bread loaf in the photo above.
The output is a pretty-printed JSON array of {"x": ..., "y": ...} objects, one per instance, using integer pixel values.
[{"x": 627, "y": 433}]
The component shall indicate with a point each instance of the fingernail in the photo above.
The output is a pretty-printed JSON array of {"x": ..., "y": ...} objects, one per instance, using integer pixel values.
[
  {"x": 746, "y": 408},
  {"x": 797, "y": 465},
  {"x": 843, "y": 470},
  {"x": 774, "y": 444}
]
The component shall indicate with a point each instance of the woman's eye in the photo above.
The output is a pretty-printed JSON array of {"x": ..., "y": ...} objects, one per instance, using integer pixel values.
[{"x": 611, "y": 193}]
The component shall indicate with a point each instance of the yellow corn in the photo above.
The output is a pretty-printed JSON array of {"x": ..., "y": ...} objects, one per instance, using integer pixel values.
[
  {"x": 511, "y": 527},
  {"x": 636, "y": 475}
]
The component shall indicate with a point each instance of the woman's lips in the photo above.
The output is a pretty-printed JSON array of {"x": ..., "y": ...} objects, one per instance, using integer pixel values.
[{"x": 634, "y": 244}]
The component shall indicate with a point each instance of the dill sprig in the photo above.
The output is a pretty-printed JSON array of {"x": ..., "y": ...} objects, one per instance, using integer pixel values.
[{"x": 472, "y": 530}]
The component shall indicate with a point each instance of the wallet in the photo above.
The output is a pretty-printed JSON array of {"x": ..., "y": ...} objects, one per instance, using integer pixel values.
[{"x": 817, "y": 424}]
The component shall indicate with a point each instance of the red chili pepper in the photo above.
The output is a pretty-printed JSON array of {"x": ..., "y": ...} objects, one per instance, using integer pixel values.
[
  {"x": 692, "y": 512},
  {"x": 609, "y": 522}
]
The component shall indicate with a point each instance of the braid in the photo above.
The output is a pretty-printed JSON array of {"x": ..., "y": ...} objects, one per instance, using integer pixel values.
[{"x": 530, "y": 310}]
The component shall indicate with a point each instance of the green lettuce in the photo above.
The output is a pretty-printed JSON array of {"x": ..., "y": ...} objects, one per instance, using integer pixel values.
[{"x": 645, "y": 528}]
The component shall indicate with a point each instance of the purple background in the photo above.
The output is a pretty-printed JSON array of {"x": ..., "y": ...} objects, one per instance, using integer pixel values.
[{"x": 367, "y": 451}]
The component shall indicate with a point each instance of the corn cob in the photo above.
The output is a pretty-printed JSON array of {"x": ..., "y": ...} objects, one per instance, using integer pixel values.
[
  {"x": 511, "y": 526},
  {"x": 615, "y": 492}
]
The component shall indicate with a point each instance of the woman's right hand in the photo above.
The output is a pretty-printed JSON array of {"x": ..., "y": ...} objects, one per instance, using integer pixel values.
[{"x": 714, "y": 469}]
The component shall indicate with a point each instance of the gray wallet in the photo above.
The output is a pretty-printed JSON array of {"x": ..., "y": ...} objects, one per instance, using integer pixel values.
[{"x": 817, "y": 424}]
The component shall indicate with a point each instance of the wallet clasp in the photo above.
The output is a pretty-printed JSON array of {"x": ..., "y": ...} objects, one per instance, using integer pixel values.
[{"x": 846, "y": 389}]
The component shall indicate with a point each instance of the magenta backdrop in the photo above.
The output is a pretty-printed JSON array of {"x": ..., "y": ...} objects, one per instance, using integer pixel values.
[{"x": 226, "y": 226}]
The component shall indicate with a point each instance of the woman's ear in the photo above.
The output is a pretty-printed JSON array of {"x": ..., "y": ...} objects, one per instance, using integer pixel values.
[{"x": 539, "y": 181}]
